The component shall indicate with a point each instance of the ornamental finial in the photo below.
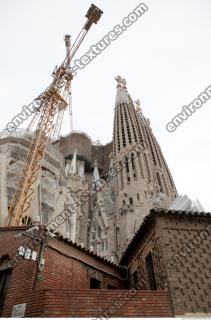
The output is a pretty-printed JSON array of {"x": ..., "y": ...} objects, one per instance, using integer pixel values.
[
  {"x": 138, "y": 105},
  {"x": 124, "y": 84},
  {"x": 119, "y": 82}
]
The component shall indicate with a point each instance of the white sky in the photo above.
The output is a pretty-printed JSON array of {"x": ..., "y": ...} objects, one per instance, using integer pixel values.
[{"x": 164, "y": 56}]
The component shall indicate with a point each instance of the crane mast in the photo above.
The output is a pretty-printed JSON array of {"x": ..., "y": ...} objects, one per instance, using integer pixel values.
[
  {"x": 60, "y": 115},
  {"x": 53, "y": 102}
]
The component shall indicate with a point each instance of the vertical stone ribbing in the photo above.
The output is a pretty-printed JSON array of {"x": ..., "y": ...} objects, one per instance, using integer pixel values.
[
  {"x": 143, "y": 168},
  {"x": 126, "y": 129}
]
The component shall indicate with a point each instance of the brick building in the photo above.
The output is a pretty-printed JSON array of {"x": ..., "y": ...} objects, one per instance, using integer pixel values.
[
  {"x": 170, "y": 252},
  {"x": 163, "y": 271}
]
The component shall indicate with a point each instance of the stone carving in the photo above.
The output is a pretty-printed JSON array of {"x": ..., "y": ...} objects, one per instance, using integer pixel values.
[
  {"x": 121, "y": 83},
  {"x": 157, "y": 197}
]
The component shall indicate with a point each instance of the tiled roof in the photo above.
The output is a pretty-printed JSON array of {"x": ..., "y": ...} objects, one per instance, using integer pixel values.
[
  {"x": 65, "y": 240},
  {"x": 79, "y": 247},
  {"x": 149, "y": 218}
]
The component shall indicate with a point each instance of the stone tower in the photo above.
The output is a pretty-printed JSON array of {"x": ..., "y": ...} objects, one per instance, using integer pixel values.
[{"x": 143, "y": 178}]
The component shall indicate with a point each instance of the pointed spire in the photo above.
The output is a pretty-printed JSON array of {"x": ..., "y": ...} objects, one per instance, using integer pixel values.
[
  {"x": 121, "y": 95},
  {"x": 81, "y": 173},
  {"x": 96, "y": 177},
  {"x": 73, "y": 167},
  {"x": 126, "y": 125}
]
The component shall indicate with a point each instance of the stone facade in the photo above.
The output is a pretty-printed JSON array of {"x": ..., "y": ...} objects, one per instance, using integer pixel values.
[
  {"x": 108, "y": 190},
  {"x": 138, "y": 180}
]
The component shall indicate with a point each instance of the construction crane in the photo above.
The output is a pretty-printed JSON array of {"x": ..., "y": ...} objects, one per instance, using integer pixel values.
[
  {"x": 52, "y": 103},
  {"x": 60, "y": 114}
]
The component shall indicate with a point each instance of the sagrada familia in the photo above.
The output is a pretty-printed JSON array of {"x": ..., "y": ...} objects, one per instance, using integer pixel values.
[
  {"x": 109, "y": 236},
  {"x": 107, "y": 189}
]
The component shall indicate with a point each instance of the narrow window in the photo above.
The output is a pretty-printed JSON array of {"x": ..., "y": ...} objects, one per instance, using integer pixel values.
[
  {"x": 121, "y": 175},
  {"x": 99, "y": 232},
  {"x": 4, "y": 284},
  {"x": 164, "y": 180},
  {"x": 150, "y": 272},
  {"x": 126, "y": 164},
  {"x": 131, "y": 200},
  {"x": 147, "y": 166},
  {"x": 135, "y": 279},
  {"x": 132, "y": 161},
  {"x": 141, "y": 165},
  {"x": 117, "y": 238},
  {"x": 94, "y": 283},
  {"x": 159, "y": 182},
  {"x": 138, "y": 197}
]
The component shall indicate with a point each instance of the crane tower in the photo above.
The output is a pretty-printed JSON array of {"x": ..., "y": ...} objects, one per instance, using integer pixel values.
[{"x": 51, "y": 106}]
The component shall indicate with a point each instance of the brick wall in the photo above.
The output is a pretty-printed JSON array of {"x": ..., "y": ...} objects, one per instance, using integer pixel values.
[
  {"x": 186, "y": 249},
  {"x": 23, "y": 274},
  {"x": 149, "y": 242},
  {"x": 99, "y": 303},
  {"x": 66, "y": 267},
  {"x": 180, "y": 247},
  {"x": 64, "y": 272}
]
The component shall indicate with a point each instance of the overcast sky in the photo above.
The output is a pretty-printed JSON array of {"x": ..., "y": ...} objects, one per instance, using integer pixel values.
[{"x": 164, "y": 56}]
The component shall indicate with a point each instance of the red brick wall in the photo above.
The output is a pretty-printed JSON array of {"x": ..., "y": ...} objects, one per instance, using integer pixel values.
[
  {"x": 66, "y": 267},
  {"x": 99, "y": 303},
  {"x": 21, "y": 285},
  {"x": 23, "y": 274},
  {"x": 67, "y": 273}
]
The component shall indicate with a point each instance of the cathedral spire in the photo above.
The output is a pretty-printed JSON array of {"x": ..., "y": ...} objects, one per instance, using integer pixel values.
[
  {"x": 126, "y": 128},
  {"x": 143, "y": 178}
]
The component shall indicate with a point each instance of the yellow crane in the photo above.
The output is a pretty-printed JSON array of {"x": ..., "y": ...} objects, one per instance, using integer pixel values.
[{"x": 52, "y": 103}]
